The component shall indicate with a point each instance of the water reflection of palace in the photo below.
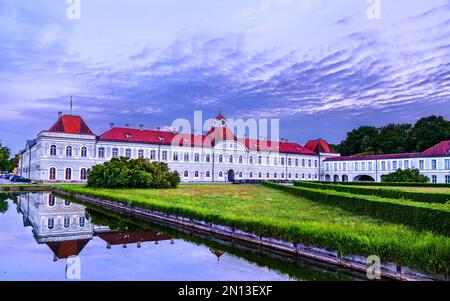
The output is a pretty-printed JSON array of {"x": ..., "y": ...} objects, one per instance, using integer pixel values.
[{"x": 66, "y": 229}]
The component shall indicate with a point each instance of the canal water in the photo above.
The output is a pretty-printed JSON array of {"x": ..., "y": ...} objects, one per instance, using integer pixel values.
[{"x": 44, "y": 237}]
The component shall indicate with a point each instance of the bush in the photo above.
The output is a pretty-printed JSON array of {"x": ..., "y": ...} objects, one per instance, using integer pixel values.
[
  {"x": 405, "y": 176},
  {"x": 128, "y": 173},
  {"x": 417, "y": 196},
  {"x": 420, "y": 216}
]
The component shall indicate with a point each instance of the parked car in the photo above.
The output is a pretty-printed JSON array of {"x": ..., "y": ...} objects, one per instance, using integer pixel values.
[
  {"x": 8, "y": 176},
  {"x": 19, "y": 179}
]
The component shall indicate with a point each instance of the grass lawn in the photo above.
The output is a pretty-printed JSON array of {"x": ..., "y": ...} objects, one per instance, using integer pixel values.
[{"x": 271, "y": 212}]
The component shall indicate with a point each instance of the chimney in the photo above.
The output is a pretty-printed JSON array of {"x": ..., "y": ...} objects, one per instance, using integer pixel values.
[
  {"x": 141, "y": 127},
  {"x": 59, "y": 114},
  {"x": 127, "y": 125},
  {"x": 111, "y": 125}
]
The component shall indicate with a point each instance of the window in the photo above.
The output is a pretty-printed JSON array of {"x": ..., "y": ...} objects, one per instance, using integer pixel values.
[
  {"x": 53, "y": 150},
  {"x": 363, "y": 166},
  {"x": 250, "y": 160},
  {"x": 316, "y": 163},
  {"x": 82, "y": 221},
  {"x": 394, "y": 165},
  {"x": 447, "y": 164},
  {"x": 197, "y": 158},
  {"x": 309, "y": 163},
  {"x": 67, "y": 222},
  {"x": 101, "y": 152},
  {"x": 434, "y": 164},
  {"x": 208, "y": 158},
  {"x": 230, "y": 159},
  {"x": 84, "y": 151},
  {"x": 303, "y": 162},
  {"x": 260, "y": 175},
  {"x": 290, "y": 176},
  {"x": 335, "y": 166},
  {"x": 296, "y": 175},
  {"x": 69, "y": 151},
  {"x": 251, "y": 175},
  {"x": 344, "y": 166},
  {"x": 282, "y": 161},
  {"x": 303, "y": 176},
  {"x": 275, "y": 175},
  {"x": 175, "y": 156},
  {"x": 220, "y": 174},
  {"x": 52, "y": 174},
  {"x": 447, "y": 179},
  {"x": 296, "y": 162},
  {"x": 389, "y": 165},
  {"x": 152, "y": 154},
  {"x": 68, "y": 174},
  {"x": 421, "y": 164},
  {"x": 383, "y": 165},
  {"x": 434, "y": 179},
  {"x": 141, "y": 153},
  {"x": 282, "y": 175},
  {"x": 241, "y": 160},
  {"x": 260, "y": 160},
  {"x": 275, "y": 161},
  {"x": 267, "y": 160},
  {"x": 309, "y": 176},
  {"x": 67, "y": 203},
  {"x": 240, "y": 174},
  {"x": 186, "y": 174},
  {"x": 267, "y": 175},
  {"x": 115, "y": 152},
  {"x": 83, "y": 174},
  {"x": 356, "y": 166},
  {"x": 51, "y": 224},
  {"x": 327, "y": 167},
  {"x": 220, "y": 158},
  {"x": 196, "y": 174},
  {"x": 406, "y": 164},
  {"x": 208, "y": 174},
  {"x": 128, "y": 153},
  {"x": 370, "y": 166},
  {"x": 164, "y": 155},
  {"x": 51, "y": 200},
  {"x": 186, "y": 157}
]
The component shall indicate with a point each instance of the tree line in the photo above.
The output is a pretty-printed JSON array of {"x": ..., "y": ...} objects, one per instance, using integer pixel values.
[
  {"x": 7, "y": 164},
  {"x": 395, "y": 138}
]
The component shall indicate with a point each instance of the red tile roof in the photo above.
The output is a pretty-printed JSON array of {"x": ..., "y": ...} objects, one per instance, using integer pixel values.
[
  {"x": 65, "y": 249},
  {"x": 71, "y": 125},
  {"x": 319, "y": 146},
  {"x": 119, "y": 238},
  {"x": 439, "y": 150},
  {"x": 220, "y": 117},
  {"x": 214, "y": 136}
]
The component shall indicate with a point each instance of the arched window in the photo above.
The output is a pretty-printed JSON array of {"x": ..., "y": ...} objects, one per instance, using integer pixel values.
[
  {"x": 240, "y": 174},
  {"x": 267, "y": 175},
  {"x": 115, "y": 152},
  {"x": 296, "y": 175},
  {"x": 51, "y": 200},
  {"x": 141, "y": 153},
  {"x": 220, "y": 158},
  {"x": 186, "y": 174},
  {"x": 260, "y": 175},
  {"x": 68, "y": 174},
  {"x": 82, "y": 221},
  {"x": 197, "y": 158},
  {"x": 282, "y": 175},
  {"x": 208, "y": 174},
  {"x": 53, "y": 150},
  {"x": 51, "y": 223},
  {"x": 251, "y": 174},
  {"x": 290, "y": 176},
  {"x": 83, "y": 174},
  {"x": 128, "y": 153},
  {"x": 220, "y": 174},
  {"x": 66, "y": 222},
  {"x": 84, "y": 151},
  {"x": 52, "y": 174},
  {"x": 275, "y": 175},
  {"x": 101, "y": 152},
  {"x": 208, "y": 158},
  {"x": 69, "y": 151},
  {"x": 67, "y": 203},
  {"x": 196, "y": 174},
  {"x": 230, "y": 159},
  {"x": 240, "y": 159},
  {"x": 251, "y": 160}
]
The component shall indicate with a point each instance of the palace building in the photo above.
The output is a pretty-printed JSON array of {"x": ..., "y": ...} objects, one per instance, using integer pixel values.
[{"x": 65, "y": 152}]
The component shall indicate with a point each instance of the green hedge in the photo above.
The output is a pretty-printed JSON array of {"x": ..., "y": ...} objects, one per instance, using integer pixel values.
[
  {"x": 420, "y": 216},
  {"x": 417, "y": 196},
  {"x": 436, "y": 185}
]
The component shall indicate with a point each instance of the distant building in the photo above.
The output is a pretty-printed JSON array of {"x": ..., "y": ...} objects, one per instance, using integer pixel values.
[{"x": 65, "y": 153}]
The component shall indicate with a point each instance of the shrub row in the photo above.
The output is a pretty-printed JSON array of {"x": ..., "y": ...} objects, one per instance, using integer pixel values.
[
  {"x": 427, "y": 252},
  {"x": 417, "y": 196},
  {"x": 420, "y": 216},
  {"x": 436, "y": 185}
]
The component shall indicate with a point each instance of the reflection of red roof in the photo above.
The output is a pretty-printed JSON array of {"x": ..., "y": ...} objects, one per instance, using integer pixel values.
[
  {"x": 214, "y": 136},
  {"x": 440, "y": 149},
  {"x": 319, "y": 146},
  {"x": 65, "y": 249},
  {"x": 71, "y": 125},
  {"x": 120, "y": 238},
  {"x": 220, "y": 117}
]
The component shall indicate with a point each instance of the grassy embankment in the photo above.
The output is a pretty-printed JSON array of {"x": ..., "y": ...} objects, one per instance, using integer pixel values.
[{"x": 276, "y": 213}]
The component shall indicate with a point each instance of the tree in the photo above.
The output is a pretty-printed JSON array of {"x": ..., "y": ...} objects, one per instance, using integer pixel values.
[
  {"x": 429, "y": 131},
  {"x": 405, "y": 176},
  {"x": 14, "y": 162},
  {"x": 128, "y": 173},
  {"x": 5, "y": 165},
  {"x": 393, "y": 138},
  {"x": 362, "y": 141}
]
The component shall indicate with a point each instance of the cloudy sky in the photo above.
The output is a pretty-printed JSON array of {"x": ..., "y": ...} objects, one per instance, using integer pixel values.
[{"x": 323, "y": 67}]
